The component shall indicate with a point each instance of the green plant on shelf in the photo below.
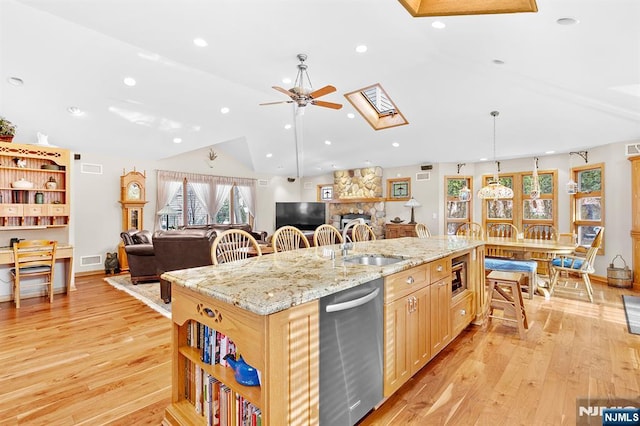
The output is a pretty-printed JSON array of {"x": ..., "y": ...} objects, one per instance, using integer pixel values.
[{"x": 7, "y": 128}]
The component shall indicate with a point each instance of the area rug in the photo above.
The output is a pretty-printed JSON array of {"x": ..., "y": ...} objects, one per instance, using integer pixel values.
[
  {"x": 149, "y": 293},
  {"x": 632, "y": 312}
]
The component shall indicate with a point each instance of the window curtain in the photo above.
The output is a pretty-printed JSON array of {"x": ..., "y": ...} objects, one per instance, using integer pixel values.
[
  {"x": 222, "y": 190},
  {"x": 247, "y": 189},
  {"x": 169, "y": 184}
]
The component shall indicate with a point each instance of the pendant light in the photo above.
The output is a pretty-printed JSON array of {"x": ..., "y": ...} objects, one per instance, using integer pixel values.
[
  {"x": 495, "y": 190},
  {"x": 535, "y": 184}
]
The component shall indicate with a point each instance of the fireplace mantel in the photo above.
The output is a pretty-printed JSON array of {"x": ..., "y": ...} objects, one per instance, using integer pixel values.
[{"x": 357, "y": 200}]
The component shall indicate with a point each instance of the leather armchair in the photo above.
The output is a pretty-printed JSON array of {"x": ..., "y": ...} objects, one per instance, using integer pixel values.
[
  {"x": 140, "y": 255},
  {"x": 181, "y": 249}
]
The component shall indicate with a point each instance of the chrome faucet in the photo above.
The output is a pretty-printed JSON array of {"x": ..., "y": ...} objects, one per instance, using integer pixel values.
[{"x": 348, "y": 242}]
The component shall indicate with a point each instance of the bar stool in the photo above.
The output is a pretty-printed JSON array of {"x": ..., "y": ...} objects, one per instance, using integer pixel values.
[{"x": 504, "y": 293}]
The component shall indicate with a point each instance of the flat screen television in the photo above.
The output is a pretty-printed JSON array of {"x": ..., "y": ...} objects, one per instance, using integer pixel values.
[{"x": 304, "y": 216}]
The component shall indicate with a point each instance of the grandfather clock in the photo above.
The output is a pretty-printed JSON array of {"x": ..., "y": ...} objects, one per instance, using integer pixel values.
[{"x": 132, "y": 198}]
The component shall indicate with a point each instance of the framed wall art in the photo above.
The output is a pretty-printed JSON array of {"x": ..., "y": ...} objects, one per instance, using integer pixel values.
[{"x": 398, "y": 189}]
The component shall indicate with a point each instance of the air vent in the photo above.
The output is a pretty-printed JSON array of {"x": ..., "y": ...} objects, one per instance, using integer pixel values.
[
  {"x": 423, "y": 176},
  {"x": 632, "y": 149},
  {"x": 93, "y": 169},
  {"x": 91, "y": 260},
  {"x": 263, "y": 182},
  {"x": 308, "y": 185}
]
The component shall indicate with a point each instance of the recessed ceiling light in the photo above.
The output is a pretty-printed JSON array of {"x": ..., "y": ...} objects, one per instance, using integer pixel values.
[
  {"x": 177, "y": 140},
  {"x": 287, "y": 126},
  {"x": 567, "y": 21},
  {"x": 327, "y": 142},
  {"x": 438, "y": 25},
  {"x": 483, "y": 159},
  {"x": 286, "y": 80},
  {"x": 15, "y": 81},
  {"x": 361, "y": 48},
  {"x": 498, "y": 61},
  {"x": 269, "y": 155},
  {"x": 351, "y": 115},
  {"x": 200, "y": 42},
  {"x": 550, "y": 152},
  {"x": 224, "y": 110},
  {"x": 333, "y": 166},
  {"x": 395, "y": 144},
  {"x": 129, "y": 81},
  {"x": 75, "y": 111}
]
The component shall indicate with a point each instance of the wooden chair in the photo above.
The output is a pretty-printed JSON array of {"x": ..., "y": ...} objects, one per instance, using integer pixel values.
[
  {"x": 362, "y": 232},
  {"x": 32, "y": 259},
  {"x": 504, "y": 293},
  {"x": 573, "y": 270},
  {"x": 541, "y": 232},
  {"x": 288, "y": 238},
  {"x": 422, "y": 230},
  {"x": 502, "y": 230},
  {"x": 326, "y": 235},
  {"x": 471, "y": 230},
  {"x": 232, "y": 245}
]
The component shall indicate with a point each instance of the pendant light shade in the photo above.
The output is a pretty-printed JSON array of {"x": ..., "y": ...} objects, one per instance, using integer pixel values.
[
  {"x": 535, "y": 184},
  {"x": 495, "y": 190}
]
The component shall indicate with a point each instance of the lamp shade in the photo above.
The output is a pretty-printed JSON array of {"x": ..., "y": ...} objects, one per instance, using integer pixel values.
[
  {"x": 412, "y": 203},
  {"x": 167, "y": 211},
  {"x": 495, "y": 190}
]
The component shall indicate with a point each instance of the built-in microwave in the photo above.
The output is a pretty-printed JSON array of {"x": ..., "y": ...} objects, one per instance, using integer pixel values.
[{"x": 458, "y": 277}]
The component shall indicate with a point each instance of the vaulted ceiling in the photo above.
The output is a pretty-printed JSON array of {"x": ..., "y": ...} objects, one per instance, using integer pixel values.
[{"x": 557, "y": 87}]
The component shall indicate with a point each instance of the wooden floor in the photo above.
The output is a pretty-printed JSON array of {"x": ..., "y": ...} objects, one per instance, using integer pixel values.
[{"x": 99, "y": 356}]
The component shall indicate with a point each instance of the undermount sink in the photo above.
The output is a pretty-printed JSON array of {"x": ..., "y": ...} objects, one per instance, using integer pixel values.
[{"x": 373, "y": 260}]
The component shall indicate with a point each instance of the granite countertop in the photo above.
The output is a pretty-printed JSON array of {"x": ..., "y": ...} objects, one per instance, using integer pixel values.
[{"x": 275, "y": 282}]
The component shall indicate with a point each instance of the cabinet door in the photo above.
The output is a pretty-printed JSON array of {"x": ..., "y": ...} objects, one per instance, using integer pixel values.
[
  {"x": 397, "y": 369},
  {"x": 419, "y": 329},
  {"x": 440, "y": 315}
]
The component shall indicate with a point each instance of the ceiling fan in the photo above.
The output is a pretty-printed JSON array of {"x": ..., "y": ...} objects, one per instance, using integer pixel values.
[{"x": 302, "y": 92}]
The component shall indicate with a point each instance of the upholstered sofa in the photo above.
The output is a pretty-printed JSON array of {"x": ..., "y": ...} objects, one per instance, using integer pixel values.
[
  {"x": 140, "y": 255},
  {"x": 260, "y": 236},
  {"x": 181, "y": 249}
]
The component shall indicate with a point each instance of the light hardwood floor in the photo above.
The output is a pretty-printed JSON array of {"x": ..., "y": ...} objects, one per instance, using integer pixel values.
[{"x": 99, "y": 356}]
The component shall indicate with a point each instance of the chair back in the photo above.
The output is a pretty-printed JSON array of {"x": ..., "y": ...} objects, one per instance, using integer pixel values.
[
  {"x": 422, "y": 231},
  {"x": 288, "y": 238},
  {"x": 232, "y": 245},
  {"x": 541, "y": 232},
  {"x": 471, "y": 230},
  {"x": 34, "y": 256},
  {"x": 502, "y": 230},
  {"x": 326, "y": 235},
  {"x": 592, "y": 251},
  {"x": 362, "y": 232}
]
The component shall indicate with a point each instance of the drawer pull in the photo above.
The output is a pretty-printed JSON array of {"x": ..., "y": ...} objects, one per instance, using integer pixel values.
[
  {"x": 410, "y": 280},
  {"x": 463, "y": 312},
  {"x": 439, "y": 268}
]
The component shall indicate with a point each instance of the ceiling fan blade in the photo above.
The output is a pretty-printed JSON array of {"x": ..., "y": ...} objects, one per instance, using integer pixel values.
[
  {"x": 326, "y": 104},
  {"x": 279, "y": 102},
  {"x": 322, "y": 91},
  {"x": 285, "y": 91}
]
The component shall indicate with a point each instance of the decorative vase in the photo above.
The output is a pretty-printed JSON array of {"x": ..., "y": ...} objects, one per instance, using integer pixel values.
[
  {"x": 6, "y": 138},
  {"x": 51, "y": 183}
]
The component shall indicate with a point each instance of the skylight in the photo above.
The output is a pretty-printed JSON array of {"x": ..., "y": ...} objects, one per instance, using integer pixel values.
[
  {"x": 376, "y": 107},
  {"x": 378, "y": 100}
]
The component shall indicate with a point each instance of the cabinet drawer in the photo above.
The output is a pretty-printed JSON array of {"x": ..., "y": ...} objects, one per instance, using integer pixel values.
[
  {"x": 34, "y": 210},
  {"x": 57, "y": 210},
  {"x": 11, "y": 210},
  {"x": 461, "y": 312},
  {"x": 405, "y": 282},
  {"x": 440, "y": 269}
]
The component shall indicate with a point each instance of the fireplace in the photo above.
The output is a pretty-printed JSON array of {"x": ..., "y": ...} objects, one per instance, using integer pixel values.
[{"x": 345, "y": 218}]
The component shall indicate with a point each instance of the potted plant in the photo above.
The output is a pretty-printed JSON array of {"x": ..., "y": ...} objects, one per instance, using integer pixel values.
[
  {"x": 212, "y": 157},
  {"x": 7, "y": 130}
]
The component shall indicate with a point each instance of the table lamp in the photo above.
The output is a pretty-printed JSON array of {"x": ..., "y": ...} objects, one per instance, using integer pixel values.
[{"x": 412, "y": 203}]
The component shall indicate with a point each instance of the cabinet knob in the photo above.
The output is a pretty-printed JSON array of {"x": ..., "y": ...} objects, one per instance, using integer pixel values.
[
  {"x": 410, "y": 280},
  {"x": 463, "y": 312},
  {"x": 439, "y": 268}
]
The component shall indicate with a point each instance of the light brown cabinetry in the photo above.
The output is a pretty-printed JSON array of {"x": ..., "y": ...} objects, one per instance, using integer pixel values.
[
  {"x": 399, "y": 230},
  {"x": 46, "y": 203},
  {"x": 635, "y": 220},
  {"x": 411, "y": 318},
  {"x": 282, "y": 346}
]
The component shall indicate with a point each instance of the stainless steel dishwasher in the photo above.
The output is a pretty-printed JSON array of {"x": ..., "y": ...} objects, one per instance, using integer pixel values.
[{"x": 351, "y": 353}]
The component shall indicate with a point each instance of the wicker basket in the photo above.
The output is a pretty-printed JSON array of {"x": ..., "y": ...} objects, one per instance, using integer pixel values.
[{"x": 619, "y": 277}]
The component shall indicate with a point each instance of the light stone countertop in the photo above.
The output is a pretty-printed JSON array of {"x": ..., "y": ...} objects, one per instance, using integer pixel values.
[{"x": 275, "y": 282}]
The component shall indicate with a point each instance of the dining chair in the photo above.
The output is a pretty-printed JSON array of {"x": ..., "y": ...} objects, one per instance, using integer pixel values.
[
  {"x": 362, "y": 232},
  {"x": 422, "y": 231},
  {"x": 542, "y": 233},
  {"x": 471, "y": 230},
  {"x": 288, "y": 238},
  {"x": 326, "y": 235},
  {"x": 32, "y": 259},
  {"x": 502, "y": 230},
  {"x": 232, "y": 245},
  {"x": 574, "y": 270}
]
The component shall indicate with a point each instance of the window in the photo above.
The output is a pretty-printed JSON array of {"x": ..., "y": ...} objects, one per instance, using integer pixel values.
[
  {"x": 587, "y": 205},
  {"x": 189, "y": 210},
  {"x": 522, "y": 211},
  {"x": 234, "y": 209},
  {"x": 458, "y": 202}
]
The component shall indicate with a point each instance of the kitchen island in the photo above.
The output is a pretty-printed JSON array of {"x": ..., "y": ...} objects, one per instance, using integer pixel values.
[{"x": 269, "y": 307}]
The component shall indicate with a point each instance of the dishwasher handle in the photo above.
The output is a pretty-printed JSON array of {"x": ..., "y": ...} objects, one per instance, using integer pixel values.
[{"x": 353, "y": 303}]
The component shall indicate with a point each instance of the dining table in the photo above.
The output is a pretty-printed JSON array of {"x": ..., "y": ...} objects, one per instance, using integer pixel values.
[{"x": 525, "y": 249}]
